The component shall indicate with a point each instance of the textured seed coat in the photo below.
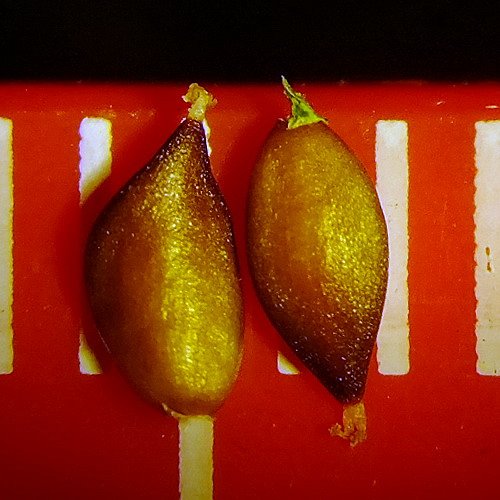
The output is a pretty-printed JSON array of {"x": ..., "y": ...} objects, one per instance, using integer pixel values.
[
  {"x": 317, "y": 244},
  {"x": 163, "y": 283}
]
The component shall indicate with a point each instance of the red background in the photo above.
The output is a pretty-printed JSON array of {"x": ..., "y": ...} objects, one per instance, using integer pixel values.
[{"x": 432, "y": 433}]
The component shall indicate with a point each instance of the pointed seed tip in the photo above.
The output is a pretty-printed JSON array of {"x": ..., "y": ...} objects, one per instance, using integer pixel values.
[{"x": 289, "y": 91}]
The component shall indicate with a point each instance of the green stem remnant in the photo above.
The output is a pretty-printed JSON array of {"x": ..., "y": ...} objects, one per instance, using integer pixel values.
[{"x": 302, "y": 111}]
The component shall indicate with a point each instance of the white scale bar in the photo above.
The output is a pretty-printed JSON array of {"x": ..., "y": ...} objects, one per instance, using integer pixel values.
[
  {"x": 285, "y": 366},
  {"x": 196, "y": 441},
  {"x": 95, "y": 167},
  {"x": 391, "y": 155},
  {"x": 6, "y": 239},
  {"x": 487, "y": 254}
]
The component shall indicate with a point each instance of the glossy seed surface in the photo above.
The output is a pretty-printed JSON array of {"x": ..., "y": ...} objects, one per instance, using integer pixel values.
[
  {"x": 162, "y": 279},
  {"x": 318, "y": 252}
]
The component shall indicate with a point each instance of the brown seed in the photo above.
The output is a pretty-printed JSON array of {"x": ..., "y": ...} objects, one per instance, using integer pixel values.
[
  {"x": 162, "y": 278},
  {"x": 318, "y": 250}
]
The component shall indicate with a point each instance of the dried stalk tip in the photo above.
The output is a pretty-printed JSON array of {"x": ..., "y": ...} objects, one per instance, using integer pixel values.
[
  {"x": 353, "y": 425},
  {"x": 200, "y": 99}
]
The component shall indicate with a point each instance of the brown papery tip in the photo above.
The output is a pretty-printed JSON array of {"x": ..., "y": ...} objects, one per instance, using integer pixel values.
[
  {"x": 353, "y": 426},
  {"x": 200, "y": 101}
]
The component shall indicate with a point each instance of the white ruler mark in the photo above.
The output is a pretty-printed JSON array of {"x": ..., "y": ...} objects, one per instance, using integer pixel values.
[
  {"x": 487, "y": 253},
  {"x": 95, "y": 167},
  {"x": 196, "y": 440},
  {"x": 89, "y": 365},
  {"x": 95, "y": 154},
  {"x": 6, "y": 244},
  {"x": 391, "y": 155},
  {"x": 285, "y": 366}
]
